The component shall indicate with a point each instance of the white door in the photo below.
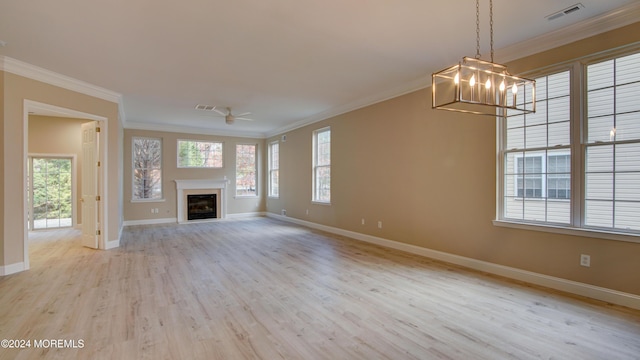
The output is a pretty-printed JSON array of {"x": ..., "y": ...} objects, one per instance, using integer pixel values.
[{"x": 90, "y": 197}]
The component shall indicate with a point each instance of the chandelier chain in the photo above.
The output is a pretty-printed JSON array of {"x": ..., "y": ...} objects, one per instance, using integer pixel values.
[
  {"x": 491, "y": 26},
  {"x": 477, "y": 29}
]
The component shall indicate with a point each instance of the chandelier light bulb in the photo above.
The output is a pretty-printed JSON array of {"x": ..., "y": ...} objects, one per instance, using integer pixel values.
[
  {"x": 472, "y": 81},
  {"x": 456, "y": 79},
  {"x": 487, "y": 85},
  {"x": 502, "y": 86},
  {"x": 514, "y": 89}
]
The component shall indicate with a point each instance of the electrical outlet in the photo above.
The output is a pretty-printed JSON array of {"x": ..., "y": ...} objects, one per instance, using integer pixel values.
[
  {"x": 362, "y": 221},
  {"x": 585, "y": 260},
  {"x": 284, "y": 212},
  {"x": 379, "y": 224},
  {"x": 307, "y": 211}
]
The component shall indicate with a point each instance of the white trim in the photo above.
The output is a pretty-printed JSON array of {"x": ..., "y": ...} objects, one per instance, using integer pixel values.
[
  {"x": 12, "y": 269},
  {"x": 191, "y": 130},
  {"x": 566, "y": 230},
  {"x": 247, "y": 215},
  {"x": 573, "y": 287},
  {"x": 112, "y": 244},
  {"x": 148, "y": 222},
  {"x": 33, "y": 72},
  {"x": 200, "y": 184},
  {"x": 617, "y": 18},
  {"x": 612, "y": 20}
]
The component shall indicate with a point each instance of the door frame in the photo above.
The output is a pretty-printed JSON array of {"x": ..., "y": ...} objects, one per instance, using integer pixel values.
[
  {"x": 74, "y": 183},
  {"x": 31, "y": 106}
]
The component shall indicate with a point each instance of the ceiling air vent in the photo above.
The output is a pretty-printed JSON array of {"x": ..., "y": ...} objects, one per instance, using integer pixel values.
[
  {"x": 205, "y": 107},
  {"x": 567, "y": 11}
]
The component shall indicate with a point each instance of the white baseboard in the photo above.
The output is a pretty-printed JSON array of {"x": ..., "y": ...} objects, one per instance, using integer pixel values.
[
  {"x": 149, "y": 221},
  {"x": 573, "y": 287},
  {"x": 12, "y": 269},
  {"x": 247, "y": 215},
  {"x": 112, "y": 244}
]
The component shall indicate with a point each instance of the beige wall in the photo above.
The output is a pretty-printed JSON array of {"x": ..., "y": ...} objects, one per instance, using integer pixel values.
[
  {"x": 56, "y": 135},
  {"x": 430, "y": 177},
  {"x": 16, "y": 90},
  {"x": 167, "y": 209},
  {"x": 2, "y": 182}
]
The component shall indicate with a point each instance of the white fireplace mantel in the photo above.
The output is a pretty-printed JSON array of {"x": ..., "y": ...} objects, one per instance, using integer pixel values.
[{"x": 200, "y": 184}]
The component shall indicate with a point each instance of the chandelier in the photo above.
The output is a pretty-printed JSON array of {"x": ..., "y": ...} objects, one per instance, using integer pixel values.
[{"x": 482, "y": 87}]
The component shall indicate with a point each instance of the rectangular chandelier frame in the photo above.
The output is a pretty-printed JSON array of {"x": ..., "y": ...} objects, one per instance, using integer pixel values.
[{"x": 481, "y": 87}]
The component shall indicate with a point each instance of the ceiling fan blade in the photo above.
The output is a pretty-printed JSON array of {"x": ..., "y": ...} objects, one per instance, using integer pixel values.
[
  {"x": 220, "y": 112},
  {"x": 243, "y": 118},
  {"x": 244, "y": 114}
]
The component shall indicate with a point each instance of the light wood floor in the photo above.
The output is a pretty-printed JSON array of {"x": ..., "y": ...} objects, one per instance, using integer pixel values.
[{"x": 262, "y": 289}]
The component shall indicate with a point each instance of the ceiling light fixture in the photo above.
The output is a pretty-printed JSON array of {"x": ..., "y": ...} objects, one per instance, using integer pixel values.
[{"x": 481, "y": 87}]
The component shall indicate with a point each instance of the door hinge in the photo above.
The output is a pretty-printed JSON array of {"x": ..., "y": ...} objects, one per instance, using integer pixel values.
[
  {"x": 97, "y": 232},
  {"x": 98, "y": 163},
  {"x": 97, "y": 129},
  {"x": 98, "y": 198}
]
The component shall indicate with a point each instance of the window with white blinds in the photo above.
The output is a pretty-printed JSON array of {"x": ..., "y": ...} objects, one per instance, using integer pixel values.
[
  {"x": 585, "y": 135},
  {"x": 612, "y": 151}
]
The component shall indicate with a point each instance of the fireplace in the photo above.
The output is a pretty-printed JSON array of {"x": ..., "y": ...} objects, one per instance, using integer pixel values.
[
  {"x": 201, "y": 206},
  {"x": 186, "y": 188}
]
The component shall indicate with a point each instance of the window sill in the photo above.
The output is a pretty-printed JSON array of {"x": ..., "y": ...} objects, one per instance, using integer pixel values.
[
  {"x": 321, "y": 202},
  {"x": 147, "y": 200},
  {"x": 567, "y": 230},
  {"x": 246, "y": 197}
]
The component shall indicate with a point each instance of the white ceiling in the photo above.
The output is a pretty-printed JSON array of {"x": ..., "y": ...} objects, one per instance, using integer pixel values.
[{"x": 288, "y": 62}]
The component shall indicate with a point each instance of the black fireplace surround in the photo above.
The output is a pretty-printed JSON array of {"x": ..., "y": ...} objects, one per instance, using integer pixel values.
[{"x": 202, "y": 206}]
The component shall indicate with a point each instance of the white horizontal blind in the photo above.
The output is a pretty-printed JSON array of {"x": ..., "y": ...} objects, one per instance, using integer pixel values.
[
  {"x": 537, "y": 156},
  {"x": 612, "y": 153}
]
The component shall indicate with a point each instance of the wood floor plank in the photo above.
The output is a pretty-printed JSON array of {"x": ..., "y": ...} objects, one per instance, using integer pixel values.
[{"x": 259, "y": 288}]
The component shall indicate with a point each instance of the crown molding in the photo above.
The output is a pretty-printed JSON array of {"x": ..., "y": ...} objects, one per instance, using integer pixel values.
[
  {"x": 617, "y": 18},
  {"x": 406, "y": 88},
  {"x": 46, "y": 76},
  {"x": 191, "y": 130},
  {"x": 612, "y": 20}
]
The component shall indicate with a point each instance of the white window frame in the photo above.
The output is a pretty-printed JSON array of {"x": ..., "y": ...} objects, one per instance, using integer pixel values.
[
  {"x": 255, "y": 171},
  {"x": 316, "y": 198},
  {"x": 133, "y": 169},
  {"x": 274, "y": 189},
  {"x": 182, "y": 166},
  {"x": 578, "y": 124}
]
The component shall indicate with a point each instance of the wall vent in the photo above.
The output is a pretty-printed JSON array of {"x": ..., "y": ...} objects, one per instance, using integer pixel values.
[{"x": 563, "y": 12}]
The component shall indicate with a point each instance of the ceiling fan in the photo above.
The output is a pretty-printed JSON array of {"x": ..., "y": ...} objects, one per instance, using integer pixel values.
[{"x": 229, "y": 117}]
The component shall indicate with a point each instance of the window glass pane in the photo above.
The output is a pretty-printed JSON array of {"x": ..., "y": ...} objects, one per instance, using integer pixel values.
[
  {"x": 627, "y": 215},
  {"x": 515, "y": 121},
  {"x": 599, "y": 213},
  {"x": 199, "y": 154},
  {"x": 627, "y": 69},
  {"x": 628, "y": 157},
  {"x": 599, "y": 186},
  {"x": 536, "y": 136},
  {"x": 322, "y": 165},
  {"x": 600, "y": 129},
  {"x": 627, "y": 97},
  {"x": 558, "y": 85},
  {"x": 245, "y": 170},
  {"x": 627, "y": 186},
  {"x": 559, "y": 212},
  {"x": 599, "y": 158},
  {"x": 534, "y": 210},
  {"x": 627, "y": 127},
  {"x": 147, "y": 168},
  {"x": 559, "y": 134},
  {"x": 559, "y": 109},
  {"x": 540, "y": 116},
  {"x": 515, "y": 138},
  {"x": 600, "y": 75},
  {"x": 600, "y": 102}
]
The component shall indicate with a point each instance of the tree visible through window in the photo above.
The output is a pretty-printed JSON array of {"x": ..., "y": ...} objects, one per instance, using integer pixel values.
[
  {"x": 147, "y": 169},
  {"x": 322, "y": 165},
  {"x": 245, "y": 170},
  {"x": 199, "y": 154},
  {"x": 274, "y": 169}
]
